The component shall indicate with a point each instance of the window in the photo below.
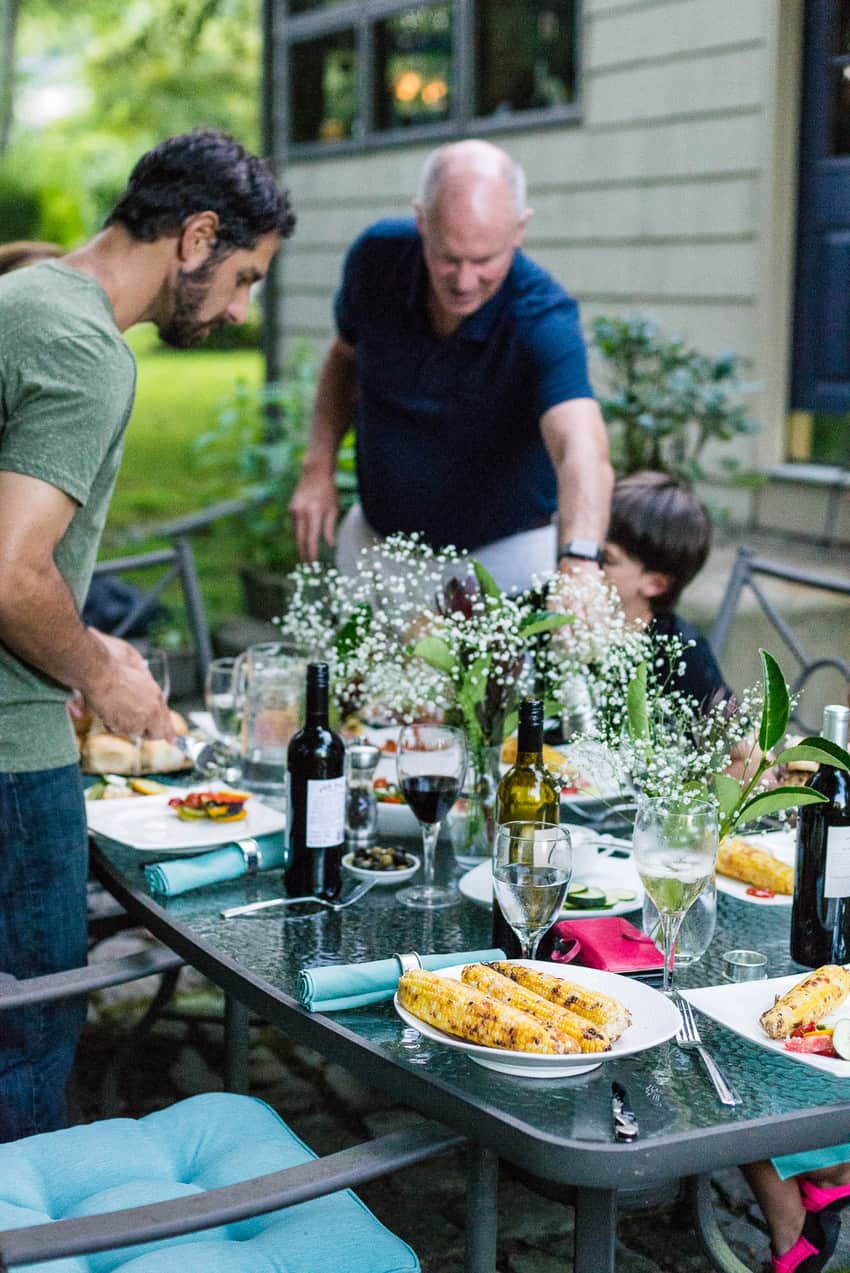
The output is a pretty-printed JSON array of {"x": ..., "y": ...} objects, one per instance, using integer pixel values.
[{"x": 367, "y": 72}]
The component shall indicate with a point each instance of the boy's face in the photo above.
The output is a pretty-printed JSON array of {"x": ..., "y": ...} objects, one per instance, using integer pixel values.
[{"x": 635, "y": 584}]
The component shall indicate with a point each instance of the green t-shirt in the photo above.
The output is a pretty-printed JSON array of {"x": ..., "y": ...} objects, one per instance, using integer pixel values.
[{"x": 67, "y": 381}]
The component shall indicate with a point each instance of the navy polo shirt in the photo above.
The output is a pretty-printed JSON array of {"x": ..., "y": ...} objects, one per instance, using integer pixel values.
[{"x": 448, "y": 430}]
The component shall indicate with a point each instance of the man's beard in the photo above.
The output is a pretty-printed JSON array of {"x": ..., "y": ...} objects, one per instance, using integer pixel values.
[{"x": 182, "y": 330}]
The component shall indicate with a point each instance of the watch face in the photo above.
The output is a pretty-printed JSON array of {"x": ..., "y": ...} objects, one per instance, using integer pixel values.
[{"x": 585, "y": 548}]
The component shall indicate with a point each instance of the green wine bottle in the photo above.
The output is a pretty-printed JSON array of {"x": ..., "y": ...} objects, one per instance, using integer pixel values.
[{"x": 527, "y": 793}]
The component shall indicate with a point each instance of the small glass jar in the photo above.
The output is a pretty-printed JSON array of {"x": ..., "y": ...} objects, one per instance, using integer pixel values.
[{"x": 361, "y": 805}]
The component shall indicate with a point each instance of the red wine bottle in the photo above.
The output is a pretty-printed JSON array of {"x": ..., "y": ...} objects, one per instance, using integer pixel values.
[
  {"x": 315, "y": 781},
  {"x": 527, "y": 793},
  {"x": 820, "y": 913}
]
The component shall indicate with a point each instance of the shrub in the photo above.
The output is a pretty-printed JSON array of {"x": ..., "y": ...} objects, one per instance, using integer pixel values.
[{"x": 667, "y": 402}]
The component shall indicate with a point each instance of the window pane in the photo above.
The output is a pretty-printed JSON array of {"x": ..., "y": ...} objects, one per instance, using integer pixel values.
[
  {"x": 525, "y": 55},
  {"x": 323, "y": 74},
  {"x": 413, "y": 67}
]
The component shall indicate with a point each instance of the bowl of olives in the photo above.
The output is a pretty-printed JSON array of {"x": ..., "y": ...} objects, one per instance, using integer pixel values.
[{"x": 381, "y": 863}]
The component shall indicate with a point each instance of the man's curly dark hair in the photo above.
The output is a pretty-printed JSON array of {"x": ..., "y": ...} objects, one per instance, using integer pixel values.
[{"x": 205, "y": 170}]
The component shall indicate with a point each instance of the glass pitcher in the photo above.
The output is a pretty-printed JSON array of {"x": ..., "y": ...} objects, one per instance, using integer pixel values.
[{"x": 270, "y": 681}]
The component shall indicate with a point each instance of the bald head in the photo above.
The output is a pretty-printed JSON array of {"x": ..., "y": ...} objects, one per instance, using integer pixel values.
[{"x": 465, "y": 169}]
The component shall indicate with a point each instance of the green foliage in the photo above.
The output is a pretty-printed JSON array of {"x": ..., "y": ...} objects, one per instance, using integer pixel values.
[
  {"x": 666, "y": 402},
  {"x": 267, "y": 429}
]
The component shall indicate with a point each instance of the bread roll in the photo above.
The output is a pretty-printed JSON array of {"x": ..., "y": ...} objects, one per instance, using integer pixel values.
[
  {"x": 159, "y": 756},
  {"x": 178, "y": 723},
  {"x": 110, "y": 754}
]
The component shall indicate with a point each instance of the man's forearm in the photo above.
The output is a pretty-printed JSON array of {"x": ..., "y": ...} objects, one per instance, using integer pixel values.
[
  {"x": 577, "y": 441},
  {"x": 40, "y": 624},
  {"x": 333, "y": 410}
]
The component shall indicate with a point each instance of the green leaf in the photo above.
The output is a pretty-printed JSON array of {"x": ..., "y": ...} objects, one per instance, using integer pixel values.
[
  {"x": 347, "y": 638},
  {"x": 775, "y": 801},
  {"x": 511, "y": 722},
  {"x": 638, "y": 712},
  {"x": 486, "y": 582},
  {"x": 822, "y": 750},
  {"x": 776, "y": 707},
  {"x": 434, "y": 651},
  {"x": 532, "y": 626},
  {"x": 728, "y": 791}
]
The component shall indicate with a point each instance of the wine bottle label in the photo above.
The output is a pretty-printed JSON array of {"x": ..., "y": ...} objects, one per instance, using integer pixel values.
[
  {"x": 325, "y": 812},
  {"x": 837, "y": 876}
]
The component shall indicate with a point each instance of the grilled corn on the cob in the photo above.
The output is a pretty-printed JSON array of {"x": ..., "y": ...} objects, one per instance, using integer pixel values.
[
  {"x": 470, "y": 1014},
  {"x": 601, "y": 1009},
  {"x": 812, "y": 999},
  {"x": 584, "y": 1035},
  {"x": 743, "y": 861}
]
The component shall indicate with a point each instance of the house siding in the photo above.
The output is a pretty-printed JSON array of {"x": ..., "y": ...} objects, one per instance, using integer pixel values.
[{"x": 674, "y": 195}]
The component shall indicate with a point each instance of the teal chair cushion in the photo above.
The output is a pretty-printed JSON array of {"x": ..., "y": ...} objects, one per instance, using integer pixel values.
[{"x": 202, "y": 1143}]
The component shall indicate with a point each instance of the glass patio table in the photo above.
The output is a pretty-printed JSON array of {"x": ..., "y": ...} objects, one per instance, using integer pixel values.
[{"x": 558, "y": 1130}]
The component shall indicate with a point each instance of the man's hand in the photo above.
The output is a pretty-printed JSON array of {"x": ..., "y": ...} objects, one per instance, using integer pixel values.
[
  {"x": 119, "y": 649},
  {"x": 128, "y": 700},
  {"x": 314, "y": 508}
]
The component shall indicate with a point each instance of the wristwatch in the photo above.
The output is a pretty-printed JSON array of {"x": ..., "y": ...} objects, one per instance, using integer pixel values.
[{"x": 584, "y": 549}]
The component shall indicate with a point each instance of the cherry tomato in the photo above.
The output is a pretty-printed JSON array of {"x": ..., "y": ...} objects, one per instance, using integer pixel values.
[{"x": 752, "y": 891}]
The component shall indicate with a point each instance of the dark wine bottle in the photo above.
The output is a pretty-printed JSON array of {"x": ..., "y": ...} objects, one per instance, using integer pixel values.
[
  {"x": 527, "y": 793},
  {"x": 820, "y": 913},
  {"x": 315, "y": 782}
]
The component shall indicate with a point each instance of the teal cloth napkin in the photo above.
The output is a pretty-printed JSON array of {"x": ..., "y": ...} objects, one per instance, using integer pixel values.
[
  {"x": 228, "y": 863},
  {"x": 338, "y": 986}
]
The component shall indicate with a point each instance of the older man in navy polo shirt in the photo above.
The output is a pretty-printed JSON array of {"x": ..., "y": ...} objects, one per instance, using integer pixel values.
[{"x": 464, "y": 366}]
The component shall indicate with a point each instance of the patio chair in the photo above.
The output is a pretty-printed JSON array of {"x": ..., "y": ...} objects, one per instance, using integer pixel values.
[
  {"x": 747, "y": 572},
  {"x": 220, "y": 1175}
]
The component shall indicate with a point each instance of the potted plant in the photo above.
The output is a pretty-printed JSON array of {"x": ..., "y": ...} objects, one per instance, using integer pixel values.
[
  {"x": 666, "y": 402},
  {"x": 270, "y": 428}
]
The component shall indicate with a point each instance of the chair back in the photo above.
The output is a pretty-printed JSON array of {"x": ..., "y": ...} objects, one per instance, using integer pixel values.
[{"x": 748, "y": 573}]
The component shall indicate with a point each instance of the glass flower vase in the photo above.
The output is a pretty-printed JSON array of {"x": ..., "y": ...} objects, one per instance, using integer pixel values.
[{"x": 472, "y": 821}]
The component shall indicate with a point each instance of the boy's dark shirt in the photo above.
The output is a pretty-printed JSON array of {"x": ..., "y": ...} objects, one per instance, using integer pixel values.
[{"x": 701, "y": 678}]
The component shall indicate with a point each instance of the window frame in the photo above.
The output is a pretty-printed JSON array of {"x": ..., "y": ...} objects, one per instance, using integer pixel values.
[{"x": 360, "y": 16}]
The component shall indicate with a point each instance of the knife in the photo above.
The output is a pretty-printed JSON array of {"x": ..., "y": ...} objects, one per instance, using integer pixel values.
[{"x": 624, "y": 1119}]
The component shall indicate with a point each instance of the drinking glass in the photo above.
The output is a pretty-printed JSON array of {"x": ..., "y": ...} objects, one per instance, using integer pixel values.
[
  {"x": 431, "y": 764},
  {"x": 675, "y": 847},
  {"x": 157, "y": 665},
  {"x": 222, "y": 701},
  {"x": 532, "y": 865}
]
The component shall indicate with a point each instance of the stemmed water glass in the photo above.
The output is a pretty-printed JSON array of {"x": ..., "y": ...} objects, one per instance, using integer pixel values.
[
  {"x": 532, "y": 865},
  {"x": 157, "y": 665},
  {"x": 431, "y": 764},
  {"x": 675, "y": 848},
  {"x": 223, "y": 702}
]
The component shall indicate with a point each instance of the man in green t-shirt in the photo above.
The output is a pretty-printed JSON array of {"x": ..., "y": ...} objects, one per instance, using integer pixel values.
[{"x": 195, "y": 229}]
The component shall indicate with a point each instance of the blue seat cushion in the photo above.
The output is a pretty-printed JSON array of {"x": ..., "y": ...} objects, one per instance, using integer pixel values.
[{"x": 202, "y": 1143}]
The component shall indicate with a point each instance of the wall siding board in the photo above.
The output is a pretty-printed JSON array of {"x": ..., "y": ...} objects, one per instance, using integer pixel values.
[
  {"x": 688, "y": 86},
  {"x": 658, "y": 28}
]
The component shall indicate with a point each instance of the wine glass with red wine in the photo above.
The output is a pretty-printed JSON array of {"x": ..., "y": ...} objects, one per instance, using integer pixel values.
[{"x": 431, "y": 763}]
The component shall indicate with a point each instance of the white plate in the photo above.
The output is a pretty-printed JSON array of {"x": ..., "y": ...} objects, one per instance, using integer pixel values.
[
  {"x": 150, "y": 824},
  {"x": 783, "y": 845},
  {"x": 739, "y": 1005},
  {"x": 654, "y": 1020},
  {"x": 607, "y": 873},
  {"x": 381, "y": 877}
]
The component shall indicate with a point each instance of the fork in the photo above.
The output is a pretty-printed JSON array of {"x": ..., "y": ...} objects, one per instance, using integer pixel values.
[
  {"x": 688, "y": 1038},
  {"x": 360, "y": 891}
]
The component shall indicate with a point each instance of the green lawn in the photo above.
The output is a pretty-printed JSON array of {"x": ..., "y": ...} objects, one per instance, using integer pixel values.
[{"x": 178, "y": 397}]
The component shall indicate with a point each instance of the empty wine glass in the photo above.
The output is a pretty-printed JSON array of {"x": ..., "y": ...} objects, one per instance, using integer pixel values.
[
  {"x": 431, "y": 764},
  {"x": 157, "y": 665},
  {"x": 532, "y": 865},
  {"x": 675, "y": 847},
  {"x": 222, "y": 701}
]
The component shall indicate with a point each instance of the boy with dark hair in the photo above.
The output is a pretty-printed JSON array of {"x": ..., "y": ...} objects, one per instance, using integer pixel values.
[
  {"x": 658, "y": 540},
  {"x": 197, "y": 227}
]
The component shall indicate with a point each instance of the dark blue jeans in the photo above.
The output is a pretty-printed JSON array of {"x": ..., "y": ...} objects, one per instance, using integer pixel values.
[{"x": 43, "y": 868}]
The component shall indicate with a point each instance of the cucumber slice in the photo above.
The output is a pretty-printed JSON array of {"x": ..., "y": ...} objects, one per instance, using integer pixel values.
[
  {"x": 576, "y": 890},
  {"x": 841, "y": 1038},
  {"x": 588, "y": 899},
  {"x": 616, "y": 895}
]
